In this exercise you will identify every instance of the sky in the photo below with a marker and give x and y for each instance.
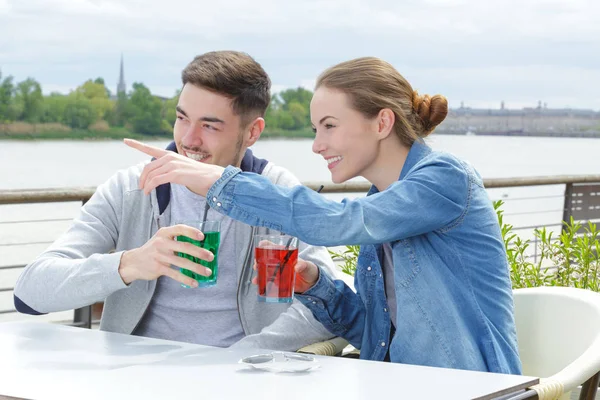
(477, 52)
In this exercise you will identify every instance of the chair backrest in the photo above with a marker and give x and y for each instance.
(558, 330)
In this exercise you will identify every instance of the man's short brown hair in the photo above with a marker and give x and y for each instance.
(235, 75)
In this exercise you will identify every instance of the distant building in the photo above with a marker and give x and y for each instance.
(528, 120)
(121, 86)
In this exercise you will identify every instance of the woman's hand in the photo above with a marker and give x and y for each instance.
(170, 167)
(307, 275)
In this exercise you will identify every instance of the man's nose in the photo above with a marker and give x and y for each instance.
(192, 138)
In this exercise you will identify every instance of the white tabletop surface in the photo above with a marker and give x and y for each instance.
(40, 360)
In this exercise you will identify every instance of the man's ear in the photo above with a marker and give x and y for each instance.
(254, 130)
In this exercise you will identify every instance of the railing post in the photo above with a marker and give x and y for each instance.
(83, 316)
(590, 388)
(568, 205)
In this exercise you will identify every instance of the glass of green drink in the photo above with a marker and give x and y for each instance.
(212, 238)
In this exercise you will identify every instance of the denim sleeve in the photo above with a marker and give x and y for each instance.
(337, 307)
(432, 196)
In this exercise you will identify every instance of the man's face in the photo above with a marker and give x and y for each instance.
(207, 129)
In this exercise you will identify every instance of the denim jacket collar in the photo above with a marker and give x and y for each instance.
(416, 153)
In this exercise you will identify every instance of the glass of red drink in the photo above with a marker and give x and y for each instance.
(276, 257)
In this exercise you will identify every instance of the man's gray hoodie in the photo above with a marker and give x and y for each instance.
(81, 267)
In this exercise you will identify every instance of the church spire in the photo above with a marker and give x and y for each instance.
(121, 87)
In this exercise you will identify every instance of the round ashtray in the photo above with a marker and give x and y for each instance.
(281, 362)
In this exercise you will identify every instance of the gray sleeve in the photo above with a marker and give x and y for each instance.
(78, 269)
(291, 331)
(297, 327)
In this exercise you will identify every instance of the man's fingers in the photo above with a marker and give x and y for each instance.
(192, 250)
(183, 230)
(185, 264)
(144, 148)
(179, 277)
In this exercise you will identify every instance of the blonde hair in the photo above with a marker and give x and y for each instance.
(373, 84)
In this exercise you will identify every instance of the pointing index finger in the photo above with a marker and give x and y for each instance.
(144, 148)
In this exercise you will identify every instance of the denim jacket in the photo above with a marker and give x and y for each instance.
(453, 290)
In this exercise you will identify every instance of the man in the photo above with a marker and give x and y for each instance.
(121, 248)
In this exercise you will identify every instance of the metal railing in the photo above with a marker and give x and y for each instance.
(581, 199)
(82, 317)
(83, 194)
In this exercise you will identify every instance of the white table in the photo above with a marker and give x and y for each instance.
(40, 360)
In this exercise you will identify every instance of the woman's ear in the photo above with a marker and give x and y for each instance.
(385, 123)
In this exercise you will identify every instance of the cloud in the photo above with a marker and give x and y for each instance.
(4, 7)
(471, 48)
(517, 85)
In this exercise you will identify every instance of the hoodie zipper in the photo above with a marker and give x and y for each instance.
(243, 279)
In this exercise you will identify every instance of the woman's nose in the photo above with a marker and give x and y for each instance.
(318, 145)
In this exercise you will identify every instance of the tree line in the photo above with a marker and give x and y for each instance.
(91, 106)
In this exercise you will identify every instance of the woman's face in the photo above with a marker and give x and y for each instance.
(344, 137)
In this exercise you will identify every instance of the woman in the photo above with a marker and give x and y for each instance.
(432, 278)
